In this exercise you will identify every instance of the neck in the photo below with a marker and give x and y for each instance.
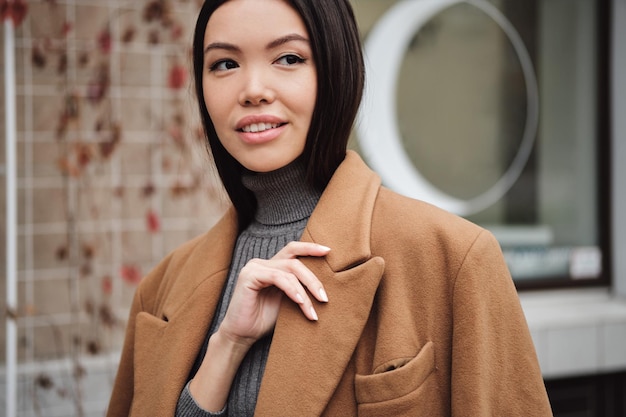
(283, 196)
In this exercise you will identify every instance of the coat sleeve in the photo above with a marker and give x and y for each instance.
(495, 371)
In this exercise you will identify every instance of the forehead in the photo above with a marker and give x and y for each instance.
(250, 20)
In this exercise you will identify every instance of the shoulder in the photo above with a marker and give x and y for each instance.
(190, 262)
(428, 250)
(414, 234)
(405, 218)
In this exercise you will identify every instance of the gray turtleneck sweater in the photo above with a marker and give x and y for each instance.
(284, 204)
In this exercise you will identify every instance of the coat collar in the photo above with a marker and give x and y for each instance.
(342, 217)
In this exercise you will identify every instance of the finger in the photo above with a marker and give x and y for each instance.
(308, 279)
(295, 249)
(302, 299)
(301, 272)
(291, 286)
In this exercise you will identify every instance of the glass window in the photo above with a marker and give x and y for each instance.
(492, 110)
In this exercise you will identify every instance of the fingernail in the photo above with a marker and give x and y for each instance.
(299, 298)
(314, 314)
(323, 295)
(325, 248)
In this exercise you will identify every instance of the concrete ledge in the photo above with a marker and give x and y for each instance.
(577, 332)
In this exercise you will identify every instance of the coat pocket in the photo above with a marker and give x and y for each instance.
(396, 385)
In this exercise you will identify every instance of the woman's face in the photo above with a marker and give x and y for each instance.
(259, 81)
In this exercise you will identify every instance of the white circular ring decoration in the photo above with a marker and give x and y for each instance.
(377, 130)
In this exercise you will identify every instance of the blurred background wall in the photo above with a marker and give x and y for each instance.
(113, 174)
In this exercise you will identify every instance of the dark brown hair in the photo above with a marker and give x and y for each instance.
(336, 49)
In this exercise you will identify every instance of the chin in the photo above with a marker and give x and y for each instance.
(264, 168)
(265, 165)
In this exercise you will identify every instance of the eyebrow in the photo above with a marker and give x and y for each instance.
(273, 44)
(286, 39)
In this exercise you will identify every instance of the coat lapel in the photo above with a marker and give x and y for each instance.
(168, 339)
(308, 359)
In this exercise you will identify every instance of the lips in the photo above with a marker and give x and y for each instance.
(260, 129)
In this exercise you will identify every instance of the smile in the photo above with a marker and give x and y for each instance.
(259, 127)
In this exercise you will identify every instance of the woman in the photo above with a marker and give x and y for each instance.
(319, 292)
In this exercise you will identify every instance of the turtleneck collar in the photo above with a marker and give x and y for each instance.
(283, 196)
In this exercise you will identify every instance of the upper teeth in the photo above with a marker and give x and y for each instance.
(259, 127)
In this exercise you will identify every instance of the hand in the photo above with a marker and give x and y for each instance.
(253, 310)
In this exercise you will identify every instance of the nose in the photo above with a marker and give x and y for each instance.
(257, 88)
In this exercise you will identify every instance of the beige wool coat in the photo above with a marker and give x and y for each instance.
(423, 318)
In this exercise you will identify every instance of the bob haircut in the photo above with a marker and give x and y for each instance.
(338, 58)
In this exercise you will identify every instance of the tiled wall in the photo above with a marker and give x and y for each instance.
(112, 175)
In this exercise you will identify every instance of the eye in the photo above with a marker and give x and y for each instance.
(290, 59)
(223, 65)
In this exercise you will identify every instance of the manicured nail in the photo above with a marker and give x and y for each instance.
(314, 314)
(323, 295)
(324, 248)
(299, 298)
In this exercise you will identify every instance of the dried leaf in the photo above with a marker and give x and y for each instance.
(71, 107)
(107, 147)
(61, 253)
(129, 35)
(88, 250)
(177, 78)
(38, 57)
(84, 154)
(153, 221)
(11, 313)
(177, 32)
(154, 37)
(15, 10)
(179, 189)
(98, 87)
(105, 41)
(131, 274)
(83, 59)
(44, 381)
(106, 316)
(67, 28)
(93, 347)
(153, 11)
(148, 190)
